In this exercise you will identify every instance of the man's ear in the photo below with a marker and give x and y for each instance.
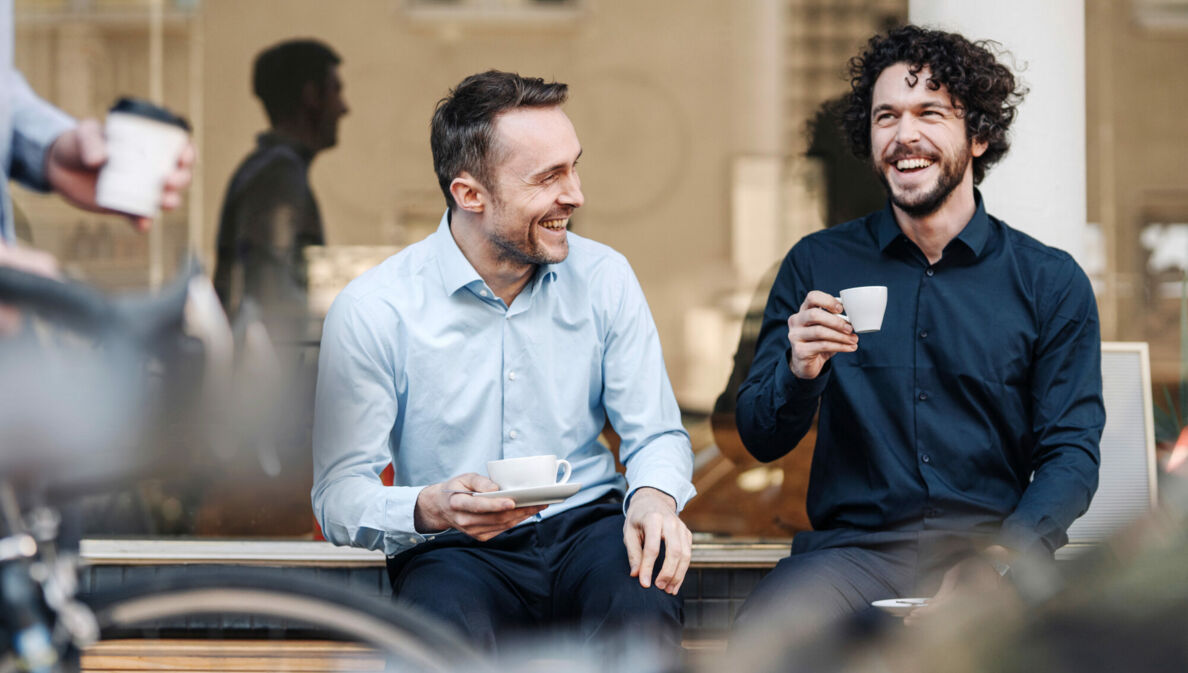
(311, 94)
(468, 193)
(978, 147)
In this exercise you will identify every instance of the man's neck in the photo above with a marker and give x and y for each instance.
(505, 278)
(299, 132)
(933, 232)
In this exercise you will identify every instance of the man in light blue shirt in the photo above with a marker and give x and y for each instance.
(503, 335)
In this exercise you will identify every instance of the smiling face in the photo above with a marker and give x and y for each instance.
(535, 186)
(919, 145)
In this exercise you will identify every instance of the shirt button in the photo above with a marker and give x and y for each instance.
(511, 376)
(922, 396)
(929, 271)
(925, 458)
(513, 434)
(923, 334)
(487, 294)
(413, 539)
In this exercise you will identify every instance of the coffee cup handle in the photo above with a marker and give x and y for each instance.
(568, 468)
(843, 316)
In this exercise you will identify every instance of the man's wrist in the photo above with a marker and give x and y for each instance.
(423, 519)
(652, 492)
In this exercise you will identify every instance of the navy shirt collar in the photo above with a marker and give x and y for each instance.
(973, 236)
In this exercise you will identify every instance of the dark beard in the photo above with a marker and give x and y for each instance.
(951, 176)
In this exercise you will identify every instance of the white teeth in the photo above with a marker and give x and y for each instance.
(905, 164)
(555, 225)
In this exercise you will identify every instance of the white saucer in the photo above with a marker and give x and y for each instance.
(538, 495)
(901, 607)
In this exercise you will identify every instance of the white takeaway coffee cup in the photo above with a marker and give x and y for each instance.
(864, 307)
(527, 472)
(144, 143)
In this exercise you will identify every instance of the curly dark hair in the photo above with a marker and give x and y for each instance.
(984, 90)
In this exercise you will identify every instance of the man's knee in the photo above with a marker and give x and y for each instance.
(802, 588)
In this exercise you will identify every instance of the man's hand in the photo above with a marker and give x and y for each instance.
(816, 332)
(74, 160)
(480, 518)
(29, 261)
(652, 517)
(974, 576)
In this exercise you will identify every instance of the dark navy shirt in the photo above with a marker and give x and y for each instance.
(977, 407)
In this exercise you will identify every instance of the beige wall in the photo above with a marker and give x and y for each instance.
(650, 96)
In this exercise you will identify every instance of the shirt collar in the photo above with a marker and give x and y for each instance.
(456, 270)
(269, 139)
(973, 235)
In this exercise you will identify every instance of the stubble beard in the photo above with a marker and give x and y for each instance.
(523, 251)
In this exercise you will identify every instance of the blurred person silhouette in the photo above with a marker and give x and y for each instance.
(505, 335)
(946, 448)
(46, 150)
(269, 213)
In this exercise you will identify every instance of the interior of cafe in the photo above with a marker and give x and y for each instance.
(707, 152)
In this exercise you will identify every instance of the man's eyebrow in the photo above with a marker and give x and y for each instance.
(557, 167)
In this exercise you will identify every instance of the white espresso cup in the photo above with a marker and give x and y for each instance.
(865, 307)
(144, 143)
(527, 472)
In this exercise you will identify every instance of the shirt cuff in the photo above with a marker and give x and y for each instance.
(789, 388)
(681, 492)
(401, 513)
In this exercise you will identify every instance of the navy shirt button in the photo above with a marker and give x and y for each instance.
(922, 396)
(923, 334)
(925, 458)
(929, 271)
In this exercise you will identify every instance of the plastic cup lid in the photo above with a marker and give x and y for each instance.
(143, 108)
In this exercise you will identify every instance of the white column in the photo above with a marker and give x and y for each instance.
(1039, 187)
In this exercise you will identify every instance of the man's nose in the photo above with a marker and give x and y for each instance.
(572, 195)
(907, 131)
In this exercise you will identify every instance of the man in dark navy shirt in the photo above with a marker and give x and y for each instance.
(965, 432)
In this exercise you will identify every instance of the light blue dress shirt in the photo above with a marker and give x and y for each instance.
(424, 367)
(28, 126)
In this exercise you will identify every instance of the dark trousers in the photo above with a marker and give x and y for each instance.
(569, 571)
(817, 587)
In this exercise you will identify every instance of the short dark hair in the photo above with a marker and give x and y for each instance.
(984, 89)
(282, 70)
(463, 130)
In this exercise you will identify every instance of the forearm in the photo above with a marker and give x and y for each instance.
(1059, 492)
(775, 409)
(35, 126)
(358, 510)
